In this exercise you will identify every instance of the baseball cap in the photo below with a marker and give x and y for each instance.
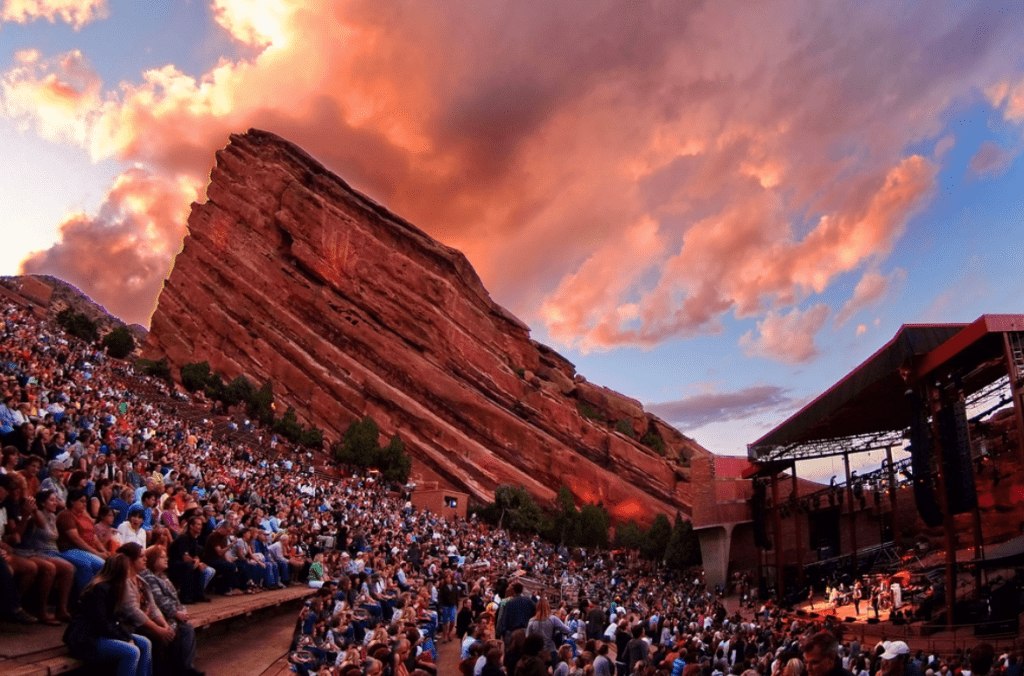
(895, 649)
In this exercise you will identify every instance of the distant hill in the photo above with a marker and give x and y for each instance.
(69, 296)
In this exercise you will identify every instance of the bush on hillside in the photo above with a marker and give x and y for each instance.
(119, 343)
(78, 325)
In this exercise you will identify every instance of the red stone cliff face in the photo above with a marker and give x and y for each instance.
(290, 275)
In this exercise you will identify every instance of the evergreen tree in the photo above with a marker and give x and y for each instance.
(656, 539)
(517, 510)
(237, 391)
(593, 526)
(566, 524)
(683, 548)
(289, 426)
(119, 343)
(629, 535)
(260, 404)
(195, 375)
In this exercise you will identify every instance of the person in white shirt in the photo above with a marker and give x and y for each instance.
(131, 529)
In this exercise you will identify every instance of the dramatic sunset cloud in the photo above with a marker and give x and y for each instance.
(123, 253)
(75, 12)
(624, 172)
(702, 408)
(871, 288)
(787, 337)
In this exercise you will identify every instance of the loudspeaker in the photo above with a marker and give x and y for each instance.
(849, 619)
(920, 463)
(872, 620)
(956, 459)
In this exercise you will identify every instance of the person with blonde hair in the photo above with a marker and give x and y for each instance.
(794, 667)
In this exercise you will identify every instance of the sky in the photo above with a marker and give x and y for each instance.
(717, 208)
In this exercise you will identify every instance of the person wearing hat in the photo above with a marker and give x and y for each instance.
(896, 660)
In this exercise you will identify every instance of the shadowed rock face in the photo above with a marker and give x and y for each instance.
(289, 274)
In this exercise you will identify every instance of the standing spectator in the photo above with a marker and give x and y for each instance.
(448, 597)
(515, 612)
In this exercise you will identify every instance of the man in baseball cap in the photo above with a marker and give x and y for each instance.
(896, 660)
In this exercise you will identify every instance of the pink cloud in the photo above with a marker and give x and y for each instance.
(990, 160)
(787, 338)
(871, 288)
(75, 12)
(624, 174)
(124, 252)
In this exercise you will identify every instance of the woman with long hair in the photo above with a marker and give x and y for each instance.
(96, 635)
(544, 624)
(139, 611)
(166, 598)
(52, 572)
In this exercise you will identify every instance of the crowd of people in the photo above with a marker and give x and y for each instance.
(117, 515)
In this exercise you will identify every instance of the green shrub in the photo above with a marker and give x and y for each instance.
(78, 325)
(155, 369)
(311, 438)
(624, 426)
(260, 404)
(654, 442)
(237, 391)
(119, 343)
(289, 426)
(521, 372)
(360, 446)
(588, 411)
(195, 375)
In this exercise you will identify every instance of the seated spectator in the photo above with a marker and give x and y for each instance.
(131, 530)
(169, 516)
(317, 572)
(95, 634)
(76, 538)
(217, 546)
(54, 482)
(13, 568)
(166, 598)
(185, 568)
(51, 572)
(106, 534)
(120, 505)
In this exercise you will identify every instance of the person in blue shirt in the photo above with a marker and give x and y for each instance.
(119, 505)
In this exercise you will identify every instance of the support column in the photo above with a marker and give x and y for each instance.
(1016, 391)
(853, 515)
(934, 398)
(798, 529)
(893, 486)
(780, 585)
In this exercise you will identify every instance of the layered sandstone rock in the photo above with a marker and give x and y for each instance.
(288, 274)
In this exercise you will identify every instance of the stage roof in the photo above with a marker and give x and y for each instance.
(871, 399)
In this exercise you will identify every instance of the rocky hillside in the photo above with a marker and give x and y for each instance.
(288, 274)
(64, 295)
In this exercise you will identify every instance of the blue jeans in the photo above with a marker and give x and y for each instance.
(133, 659)
(86, 565)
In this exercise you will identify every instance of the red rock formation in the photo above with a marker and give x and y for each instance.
(289, 274)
